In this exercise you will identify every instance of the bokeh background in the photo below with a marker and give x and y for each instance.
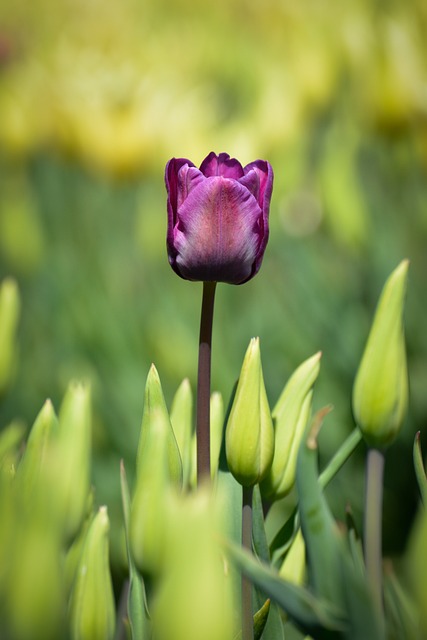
(95, 97)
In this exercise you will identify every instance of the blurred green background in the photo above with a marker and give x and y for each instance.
(95, 97)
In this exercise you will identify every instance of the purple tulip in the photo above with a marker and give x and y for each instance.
(217, 217)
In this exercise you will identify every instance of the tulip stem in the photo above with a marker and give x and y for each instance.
(373, 519)
(204, 382)
(247, 615)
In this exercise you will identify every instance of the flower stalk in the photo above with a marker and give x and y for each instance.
(247, 614)
(372, 525)
(204, 382)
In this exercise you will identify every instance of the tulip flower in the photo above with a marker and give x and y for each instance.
(380, 392)
(249, 436)
(217, 217)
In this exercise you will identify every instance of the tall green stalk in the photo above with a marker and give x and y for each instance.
(373, 523)
(204, 382)
(247, 614)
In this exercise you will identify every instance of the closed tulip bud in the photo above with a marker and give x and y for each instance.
(158, 469)
(160, 427)
(290, 416)
(37, 453)
(194, 599)
(71, 456)
(380, 392)
(217, 217)
(217, 427)
(181, 416)
(92, 607)
(148, 522)
(293, 568)
(35, 599)
(249, 436)
(9, 313)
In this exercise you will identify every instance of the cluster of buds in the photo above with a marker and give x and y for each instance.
(53, 551)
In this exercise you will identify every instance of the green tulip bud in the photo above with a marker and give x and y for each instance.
(380, 392)
(92, 607)
(181, 417)
(217, 427)
(9, 313)
(249, 436)
(160, 427)
(148, 522)
(158, 469)
(35, 594)
(37, 451)
(194, 598)
(293, 568)
(71, 458)
(290, 416)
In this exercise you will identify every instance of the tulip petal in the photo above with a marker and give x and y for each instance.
(217, 235)
(221, 165)
(187, 178)
(252, 183)
(265, 174)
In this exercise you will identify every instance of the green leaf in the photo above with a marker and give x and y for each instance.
(318, 526)
(137, 605)
(333, 575)
(419, 468)
(283, 538)
(401, 612)
(314, 616)
(260, 619)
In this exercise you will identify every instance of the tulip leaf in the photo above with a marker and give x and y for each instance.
(314, 616)
(401, 613)
(260, 619)
(318, 526)
(419, 468)
(137, 605)
(333, 575)
(283, 538)
(355, 544)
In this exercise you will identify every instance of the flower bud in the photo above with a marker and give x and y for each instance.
(35, 598)
(37, 451)
(71, 457)
(290, 416)
(217, 217)
(380, 392)
(9, 312)
(293, 568)
(92, 607)
(249, 436)
(217, 428)
(158, 469)
(160, 427)
(194, 598)
(181, 417)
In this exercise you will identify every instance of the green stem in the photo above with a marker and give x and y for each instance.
(373, 520)
(204, 382)
(247, 614)
(341, 456)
